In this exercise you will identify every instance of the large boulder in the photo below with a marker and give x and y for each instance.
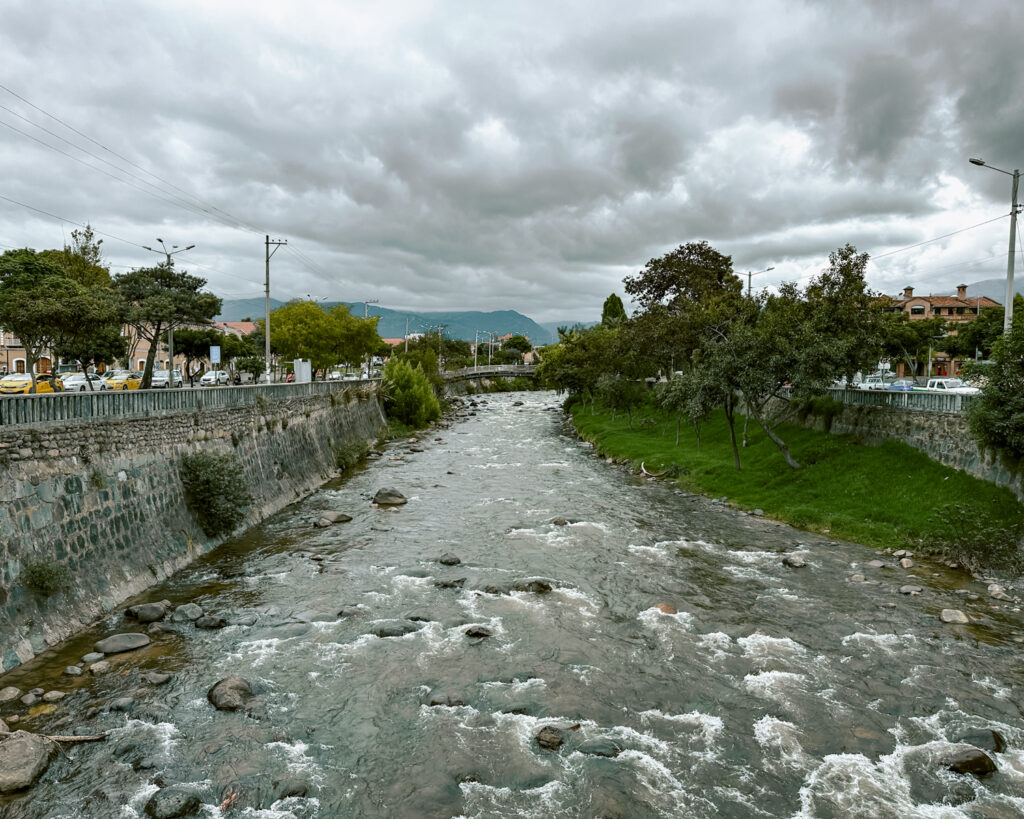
(146, 612)
(389, 497)
(173, 802)
(329, 518)
(230, 694)
(117, 643)
(600, 747)
(9, 693)
(550, 738)
(23, 758)
(987, 739)
(971, 761)
(397, 629)
(190, 611)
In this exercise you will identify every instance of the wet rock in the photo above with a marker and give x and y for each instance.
(972, 761)
(54, 696)
(902, 553)
(450, 584)
(794, 561)
(247, 619)
(449, 560)
(550, 738)
(985, 739)
(102, 667)
(906, 563)
(3, 728)
(9, 693)
(162, 628)
(954, 616)
(146, 612)
(29, 699)
(289, 785)
(92, 657)
(494, 588)
(156, 677)
(600, 747)
(23, 759)
(186, 613)
(73, 671)
(38, 691)
(389, 497)
(210, 622)
(117, 643)
(230, 694)
(666, 608)
(123, 704)
(479, 632)
(560, 522)
(876, 564)
(330, 518)
(399, 629)
(533, 586)
(440, 697)
(350, 611)
(910, 589)
(173, 802)
(857, 578)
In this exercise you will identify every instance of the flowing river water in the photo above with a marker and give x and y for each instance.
(771, 692)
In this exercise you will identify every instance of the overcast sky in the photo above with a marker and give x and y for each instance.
(523, 155)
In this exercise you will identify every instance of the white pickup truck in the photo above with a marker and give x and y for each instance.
(953, 385)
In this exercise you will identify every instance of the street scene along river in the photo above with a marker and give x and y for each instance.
(605, 646)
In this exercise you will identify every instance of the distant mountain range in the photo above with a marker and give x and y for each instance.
(460, 324)
(995, 289)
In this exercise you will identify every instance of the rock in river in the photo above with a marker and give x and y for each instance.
(399, 629)
(23, 758)
(479, 632)
(971, 761)
(330, 518)
(9, 693)
(549, 738)
(190, 611)
(230, 694)
(146, 612)
(600, 747)
(210, 622)
(987, 739)
(117, 643)
(389, 497)
(794, 561)
(173, 802)
(449, 560)
(954, 616)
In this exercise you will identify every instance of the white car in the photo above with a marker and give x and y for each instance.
(77, 382)
(213, 378)
(162, 379)
(952, 385)
(876, 381)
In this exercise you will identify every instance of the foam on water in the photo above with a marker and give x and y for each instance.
(583, 672)
(777, 686)
(257, 652)
(588, 607)
(516, 686)
(296, 757)
(716, 644)
(886, 643)
(709, 727)
(781, 740)
(762, 649)
(490, 800)
(655, 618)
(649, 551)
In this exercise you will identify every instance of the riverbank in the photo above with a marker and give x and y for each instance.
(890, 496)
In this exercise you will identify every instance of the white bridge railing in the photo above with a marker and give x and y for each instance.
(920, 401)
(494, 369)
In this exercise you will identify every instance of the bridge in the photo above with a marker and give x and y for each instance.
(491, 371)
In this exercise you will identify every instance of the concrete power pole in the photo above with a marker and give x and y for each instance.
(266, 327)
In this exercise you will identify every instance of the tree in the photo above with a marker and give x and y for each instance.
(350, 337)
(613, 314)
(92, 330)
(997, 415)
(194, 346)
(518, 342)
(161, 299)
(691, 273)
(618, 392)
(303, 329)
(981, 334)
(909, 341)
(408, 396)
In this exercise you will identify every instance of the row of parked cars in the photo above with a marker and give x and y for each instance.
(886, 381)
(21, 383)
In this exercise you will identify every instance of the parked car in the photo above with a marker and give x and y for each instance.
(21, 384)
(953, 385)
(903, 385)
(162, 379)
(123, 380)
(214, 378)
(80, 382)
(876, 381)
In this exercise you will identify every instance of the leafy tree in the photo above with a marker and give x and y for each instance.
(997, 414)
(303, 329)
(520, 343)
(161, 299)
(576, 363)
(254, 365)
(613, 314)
(981, 334)
(909, 341)
(693, 396)
(351, 337)
(194, 346)
(408, 396)
(92, 332)
(691, 273)
(620, 393)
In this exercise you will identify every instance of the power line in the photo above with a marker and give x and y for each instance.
(937, 238)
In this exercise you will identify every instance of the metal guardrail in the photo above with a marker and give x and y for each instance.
(918, 401)
(83, 406)
(494, 369)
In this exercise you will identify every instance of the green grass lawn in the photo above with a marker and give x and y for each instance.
(885, 495)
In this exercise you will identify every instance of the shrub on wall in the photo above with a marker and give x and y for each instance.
(215, 491)
(45, 577)
(408, 396)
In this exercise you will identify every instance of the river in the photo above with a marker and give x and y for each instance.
(770, 692)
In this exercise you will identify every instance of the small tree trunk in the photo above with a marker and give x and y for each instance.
(629, 415)
(679, 420)
(775, 439)
(696, 429)
(730, 411)
(746, 423)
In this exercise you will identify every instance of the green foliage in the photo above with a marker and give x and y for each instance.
(519, 343)
(97, 480)
(215, 491)
(613, 314)
(45, 576)
(408, 395)
(348, 455)
(819, 406)
(838, 489)
(976, 539)
(997, 415)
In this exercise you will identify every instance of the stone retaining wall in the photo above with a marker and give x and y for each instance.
(103, 501)
(944, 437)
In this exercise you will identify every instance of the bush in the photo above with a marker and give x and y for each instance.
(348, 455)
(45, 577)
(976, 541)
(408, 395)
(215, 491)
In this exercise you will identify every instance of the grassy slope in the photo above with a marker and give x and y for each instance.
(878, 495)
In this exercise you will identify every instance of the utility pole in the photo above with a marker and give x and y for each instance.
(170, 333)
(407, 334)
(266, 327)
(366, 315)
(750, 275)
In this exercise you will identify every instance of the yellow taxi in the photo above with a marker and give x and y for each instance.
(123, 380)
(21, 384)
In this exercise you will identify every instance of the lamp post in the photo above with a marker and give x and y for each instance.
(758, 273)
(1015, 175)
(170, 333)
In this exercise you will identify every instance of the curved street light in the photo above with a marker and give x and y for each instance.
(170, 333)
(758, 273)
(1008, 307)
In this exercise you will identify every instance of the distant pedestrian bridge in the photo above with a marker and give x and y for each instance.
(491, 371)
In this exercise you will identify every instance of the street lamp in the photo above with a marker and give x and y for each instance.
(170, 333)
(1008, 308)
(758, 273)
